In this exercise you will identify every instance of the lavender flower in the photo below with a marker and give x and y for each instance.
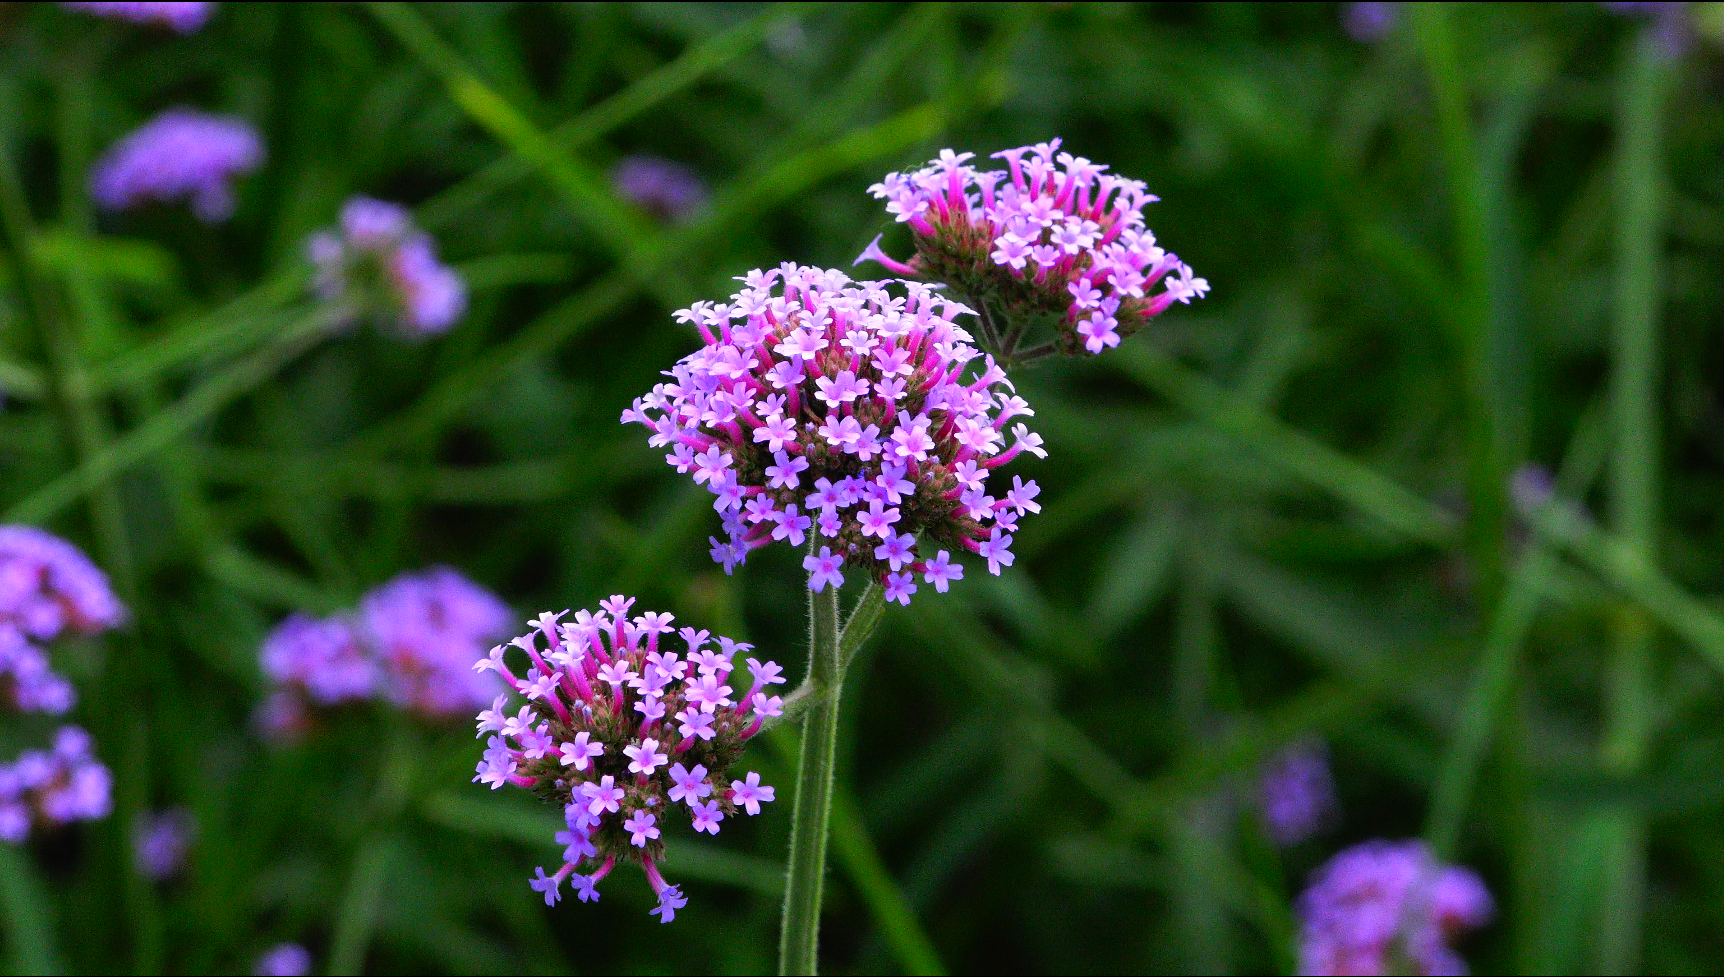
(160, 842)
(619, 732)
(410, 643)
(380, 263)
(424, 630)
(1051, 236)
(283, 960)
(1388, 907)
(1369, 23)
(47, 587)
(179, 154)
(182, 17)
(52, 788)
(1297, 793)
(669, 190)
(839, 412)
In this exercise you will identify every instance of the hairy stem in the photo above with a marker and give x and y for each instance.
(799, 940)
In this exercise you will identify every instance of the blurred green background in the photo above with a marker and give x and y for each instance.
(1488, 239)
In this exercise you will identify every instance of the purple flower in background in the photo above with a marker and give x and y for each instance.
(1388, 907)
(47, 587)
(283, 960)
(1053, 233)
(160, 842)
(54, 787)
(1670, 25)
(1297, 793)
(179, 154)
(1369, 23)
(182, 17)
(425, 630)
(620, 729)
(411, 642)
(670, 190)
(380, 262)
(825, 407)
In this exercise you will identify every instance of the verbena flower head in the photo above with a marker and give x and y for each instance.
(283, 960)
(182, 17)
(1387, 907)
(668, 189)
(51, 788)
(161, 841)
(1298, 793)
(180, 154)
(1053, 236)
(410, 643)
(384, 266)
(849, 414)
(47, 588)
(628, 730)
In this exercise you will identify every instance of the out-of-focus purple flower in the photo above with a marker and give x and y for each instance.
(179, 154)
(667, 188)
(1369, 23)
(411, 642)
(1671, 28)
(841, 409)
(323, 659)
(382, 265)
(47, 587)
(283, 960)
(160, 842)
(1298, 793)
(50, 788)
(1388, 907)
(1054, 233)
(620, 730)
(182, 17)
(425, 630)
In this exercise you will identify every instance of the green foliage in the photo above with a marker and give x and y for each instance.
(1489, 240)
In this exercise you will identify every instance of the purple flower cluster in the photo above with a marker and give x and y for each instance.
(1297, 793)
(1387, 907)
(825, 408)
(667, 189)
(283, 960)
(47, 588)
(179, 154)
(54, 787)
(1369, 23)
(410, 643)
(1052, 235)
(182, 17)
(380, 262)
(619, 732)
(160, 842)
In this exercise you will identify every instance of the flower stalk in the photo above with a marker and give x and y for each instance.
(811, 813)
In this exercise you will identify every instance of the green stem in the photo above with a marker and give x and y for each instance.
(1634, 400)
(29, 919)
(799, 940)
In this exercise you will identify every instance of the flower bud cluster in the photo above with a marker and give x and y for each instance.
(180, 154)
(1297, 793)
(1052, 236)
(381, 264)
(53, 788)
(410, 644)
(47, 588)
(1387, 907)
(622, 734)
(841, 411)
(184, 17)
(665, 188)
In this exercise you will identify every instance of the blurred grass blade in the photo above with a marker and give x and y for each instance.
(356, 917)
(855, 850)
(198, 406)
(1318, 464)
(20, 381)
(29, 923)
(662, 83)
